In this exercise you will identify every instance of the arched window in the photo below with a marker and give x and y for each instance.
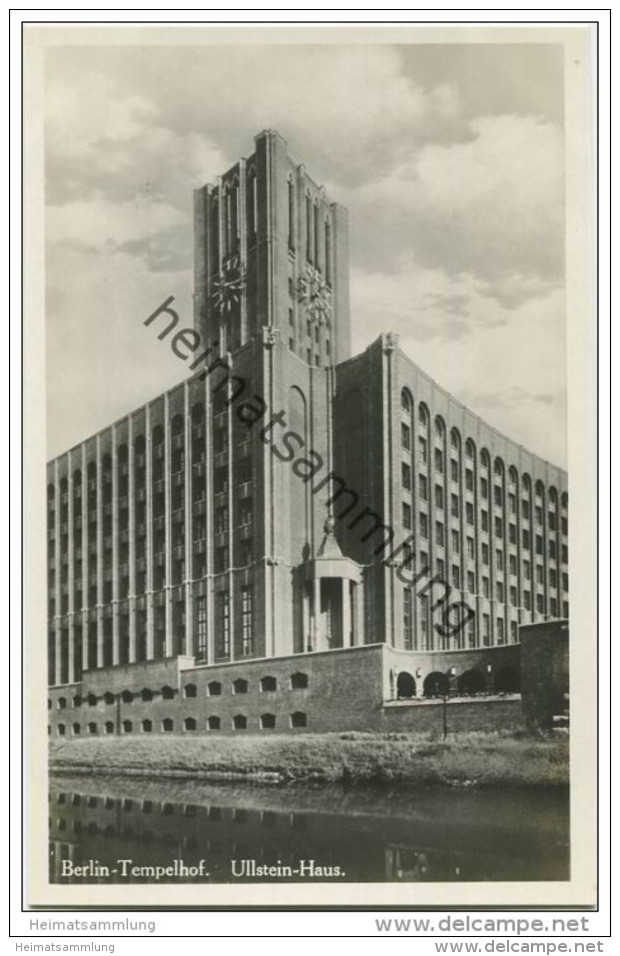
(167, 692)
(214, 688)
(308, 227)
(213, 723)
(76, 730)
(240, 722)
(291, 214)
(470, 449)
(109, 727)
(108, 699)
(406, 401)
(513, 476)
(127, 697)
(268, 684)
(299, 681)
(92, 728)
(267, 721)
(240, 686)
(440, 428)
(167, 725)
(62, 703)
(316, 234)
(147, 726)
(190, 690)
(146, 694)
(252, 205)
(299, 719)
(61, 730)
(423, 415)
(405, 685)
(189, 723)
(328, 252)
(127, 727)
(91, 700)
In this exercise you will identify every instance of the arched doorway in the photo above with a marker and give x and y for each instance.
(436, 685)
(472, 682)
(405, 685)
(507, 681)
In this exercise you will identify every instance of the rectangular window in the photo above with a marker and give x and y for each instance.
(539, 515)
(499, 560)
(454, 506)
(497, 494)
(423, 525)
(500, 630)
(527, 570)
(454, 470)
(512, 533)
(471, 550)
(539, 574)
(512, 503)
(486, 630)
(553, 607)
(539, 544)
(499, 591)
(513, 632)
(525, 509)
(565, 582)
(222, 618)
(456, 542)
(485, 554)
(423, 449)
(499, 528)
(484, 488)
(552, 521)
(540, 604)
(526, 539)
(406, 516)
(456, 576)
(424, 621)
(439, 460)
(469, 479)
(438, 496)
(484, 520)
(247, 627)
(201, 628)
(553, 579)
(405, 436)
(564, 554)
(485, 587)
(439, 533)
(406, 476)
(471, 582)
(469, 512)
(527, 601)
(564, 526)
(513, 596)
(512, 563)
(423, 487)
(407, 619)
(441, 568)
(552, 550)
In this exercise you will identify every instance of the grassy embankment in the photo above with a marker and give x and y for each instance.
(474, 759)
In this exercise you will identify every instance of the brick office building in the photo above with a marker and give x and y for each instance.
(291, 527)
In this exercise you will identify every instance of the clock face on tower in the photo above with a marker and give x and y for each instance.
(228, 285)
(313, 292)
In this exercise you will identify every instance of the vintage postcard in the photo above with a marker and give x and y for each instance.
(310, 460)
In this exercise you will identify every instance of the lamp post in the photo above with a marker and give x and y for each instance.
(489, 672)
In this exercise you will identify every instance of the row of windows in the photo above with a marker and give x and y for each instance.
(239, 722)
(268, 684)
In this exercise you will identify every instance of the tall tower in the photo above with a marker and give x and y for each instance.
(271, 250)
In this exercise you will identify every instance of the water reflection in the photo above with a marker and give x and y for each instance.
(355, 834)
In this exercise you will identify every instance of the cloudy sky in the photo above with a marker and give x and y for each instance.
(450, 159)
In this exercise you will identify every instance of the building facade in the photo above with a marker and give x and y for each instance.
(288, 499)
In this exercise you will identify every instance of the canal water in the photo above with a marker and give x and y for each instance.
(355, 834)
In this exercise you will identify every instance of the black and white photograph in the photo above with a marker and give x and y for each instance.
(307, 621)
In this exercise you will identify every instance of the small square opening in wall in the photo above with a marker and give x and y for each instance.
(92, 729)
(213, 723)
(299, 719)
(299, 681)
(147, 726)
(189, 724)
(127, 727)
(240, 722)
(268, 721)
(214, 689)
(109, 727)
(167, 725)
(268, 684)
(240, 686)
(190, 691)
